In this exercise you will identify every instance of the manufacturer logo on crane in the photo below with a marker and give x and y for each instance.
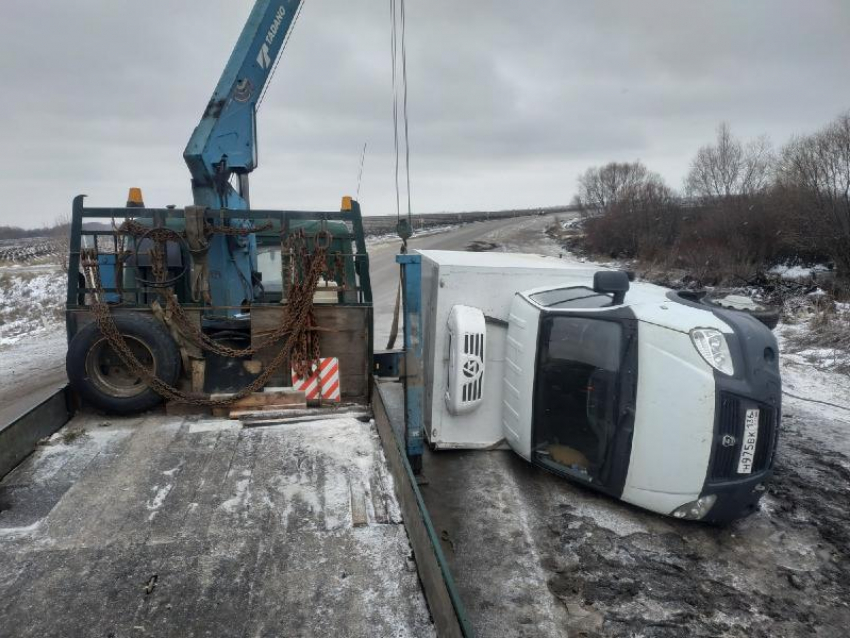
(264, 59)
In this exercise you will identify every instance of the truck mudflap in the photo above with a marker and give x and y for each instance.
(447, 609)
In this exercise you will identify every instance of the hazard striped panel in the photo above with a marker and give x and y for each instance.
(323, 382)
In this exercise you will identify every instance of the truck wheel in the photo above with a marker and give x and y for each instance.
(767, 315)
(97, 373)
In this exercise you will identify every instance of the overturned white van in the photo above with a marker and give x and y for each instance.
(642, 393)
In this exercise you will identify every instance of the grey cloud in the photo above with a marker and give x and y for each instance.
(508, 101)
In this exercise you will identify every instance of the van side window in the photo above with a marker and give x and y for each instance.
(576, 297)
(576, 405)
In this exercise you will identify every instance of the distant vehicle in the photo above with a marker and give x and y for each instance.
(653, 398)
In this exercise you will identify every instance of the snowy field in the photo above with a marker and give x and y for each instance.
(31, 301)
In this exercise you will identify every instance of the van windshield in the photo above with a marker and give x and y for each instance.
(576, 394)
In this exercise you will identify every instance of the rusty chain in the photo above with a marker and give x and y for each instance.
(132, 227)
(295, 243)
(298, 323)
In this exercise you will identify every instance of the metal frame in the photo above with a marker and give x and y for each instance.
(411, 277)
(161, 215)
(20, 438)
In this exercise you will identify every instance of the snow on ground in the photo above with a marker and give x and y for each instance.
(796, 272)
(393, 237)
(285, 530)
(32, 335)
(31, 301)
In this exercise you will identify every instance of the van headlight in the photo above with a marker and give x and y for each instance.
(695, 510)
(712, 346)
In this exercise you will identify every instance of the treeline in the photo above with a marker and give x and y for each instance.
(60, 228)
(744, 207)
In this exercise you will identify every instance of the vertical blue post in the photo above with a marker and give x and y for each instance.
(411, 273)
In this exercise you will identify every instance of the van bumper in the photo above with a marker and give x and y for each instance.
(736, 499)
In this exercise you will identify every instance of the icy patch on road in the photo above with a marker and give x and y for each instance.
(160, 494)
(321, 466)
(214, 425)
(20, 531)
(621, 522)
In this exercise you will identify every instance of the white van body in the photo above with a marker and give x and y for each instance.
(663, 429)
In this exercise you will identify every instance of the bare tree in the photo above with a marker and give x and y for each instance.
(730, 168)
(632, 210)
(814, 176)
(602, 186)
(61, 238)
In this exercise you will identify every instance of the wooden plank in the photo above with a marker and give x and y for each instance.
(280, 398)
(267, 412)
(199, 370)
(358, 505)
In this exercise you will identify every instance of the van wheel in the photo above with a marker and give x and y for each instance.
(97, 373)
(768, 315)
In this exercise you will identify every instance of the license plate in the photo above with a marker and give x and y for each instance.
(748, 447)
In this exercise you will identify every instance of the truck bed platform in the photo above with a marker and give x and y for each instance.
(170, 526)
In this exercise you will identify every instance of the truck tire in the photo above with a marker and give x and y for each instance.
(100, 377)
(767, 315)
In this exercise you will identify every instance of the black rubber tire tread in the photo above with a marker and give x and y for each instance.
(146, 329)
(768, 316)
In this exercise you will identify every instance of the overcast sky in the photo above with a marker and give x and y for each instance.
(509, 101)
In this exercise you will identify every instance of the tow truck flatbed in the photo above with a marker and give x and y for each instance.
(196, 526)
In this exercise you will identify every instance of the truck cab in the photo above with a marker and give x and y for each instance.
(629, 388)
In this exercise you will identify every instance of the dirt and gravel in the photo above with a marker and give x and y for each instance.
(781, 572)
(535, 555)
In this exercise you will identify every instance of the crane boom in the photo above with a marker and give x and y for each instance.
(225, 141)
(224, 145)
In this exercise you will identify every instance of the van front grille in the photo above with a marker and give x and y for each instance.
(729, 437)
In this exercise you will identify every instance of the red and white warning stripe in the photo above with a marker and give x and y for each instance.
(323, 382)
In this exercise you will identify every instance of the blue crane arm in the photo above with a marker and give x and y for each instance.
(225, 141)
(224, 144)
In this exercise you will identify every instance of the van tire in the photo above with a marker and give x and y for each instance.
(96, 373)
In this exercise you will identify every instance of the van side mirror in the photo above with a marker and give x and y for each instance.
(615, 282)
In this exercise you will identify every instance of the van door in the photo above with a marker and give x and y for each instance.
(577, 391)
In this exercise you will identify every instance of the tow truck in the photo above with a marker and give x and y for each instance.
(266, 496)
